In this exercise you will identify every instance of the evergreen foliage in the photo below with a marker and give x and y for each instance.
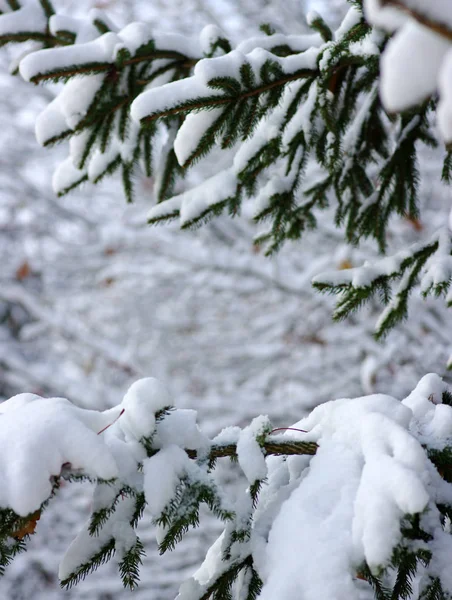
(118, 506)
(309, 131)
(302, 114)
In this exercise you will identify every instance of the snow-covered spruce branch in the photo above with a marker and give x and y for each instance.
(283, 104)
(319, 77)
(366, 481)
(429, 261)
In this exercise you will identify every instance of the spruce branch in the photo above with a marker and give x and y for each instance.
(129, 566)
(209, 102)
(434, 590)
(101, 557)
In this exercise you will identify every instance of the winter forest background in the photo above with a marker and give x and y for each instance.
(91, 299)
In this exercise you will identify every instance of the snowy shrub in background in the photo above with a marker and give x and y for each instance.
(300, 125)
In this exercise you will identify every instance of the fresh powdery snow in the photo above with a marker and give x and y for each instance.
(142, 401)
(416, 62)
(249, 451)
(85, 545)
(30, 17)
(38, 436)
(369, 471)
(317, 520)
(410, 65)
(162, 474)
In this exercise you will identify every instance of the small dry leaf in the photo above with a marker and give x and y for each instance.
(417, 225)
(29, 526)
(23, 271)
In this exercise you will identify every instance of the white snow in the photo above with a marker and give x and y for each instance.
(99, 51)
(60, 22)
(250, 453)
(348, 509)
(38, 436)
(193, 203)
(168, 96)
(361, 277)
(66, 175)
(299, 43)
(143, 399)
(208, 36)
(180, 427)
(85, 546)
(28, 18)
(410, 65)
(386, 17)
(162, 474)
(221, 66)
(444, 112)
(190, 133)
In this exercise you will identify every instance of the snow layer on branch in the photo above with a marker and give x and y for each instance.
(214, 190)
(37, 437)
(249, 451)
(162, 475)
(349, 507)
(361, 277)
(387, 17)
(50, 123)
(180, 427)
(438, 270)
(167, 208)
(50, 60)
(135, 35)
(302, 119)
(417, 60)
(195, 202)
(157, 100)
(143, 399)
(191, 132)
(222, 66)
(66, 176)
(229, 65)
(168, 97)
(69, 108)
(183, 44)
(444, 110)
(410, 66)
(100, 161)
(298, 43)
(59, 23)
(30, 17)
(208, 36)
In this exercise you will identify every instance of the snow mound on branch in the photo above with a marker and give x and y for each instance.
(249, 452)
(417, 61)
(162, 475)
(143, 399)
(369, 471)
(37, 437)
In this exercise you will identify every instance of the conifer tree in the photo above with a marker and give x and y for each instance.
(330, 119)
